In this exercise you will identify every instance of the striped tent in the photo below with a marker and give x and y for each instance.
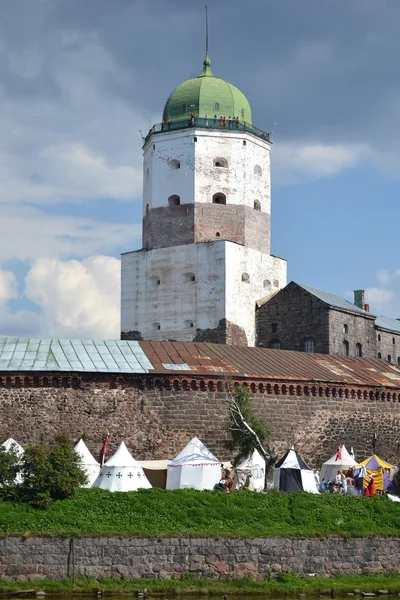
(373, 466)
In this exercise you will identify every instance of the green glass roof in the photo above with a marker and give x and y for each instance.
(109, 356)
(207, 95)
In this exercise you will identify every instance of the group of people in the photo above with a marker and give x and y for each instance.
(344, 483)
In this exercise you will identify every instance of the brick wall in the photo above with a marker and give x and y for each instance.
(157, 422)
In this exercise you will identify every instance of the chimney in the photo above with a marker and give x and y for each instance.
(359, 298)
(366, 307)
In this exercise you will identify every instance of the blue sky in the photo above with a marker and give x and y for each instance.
(78, 80)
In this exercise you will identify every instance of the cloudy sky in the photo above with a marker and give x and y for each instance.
(80, 78)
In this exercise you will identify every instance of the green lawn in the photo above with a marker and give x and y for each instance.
(157, 512)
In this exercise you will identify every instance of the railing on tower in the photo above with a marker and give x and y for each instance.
(220, 123)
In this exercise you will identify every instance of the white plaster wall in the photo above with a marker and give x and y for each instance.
(173, 301)
(197, 179)
(241, 296)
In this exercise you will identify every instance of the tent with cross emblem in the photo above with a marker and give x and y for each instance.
(122, 473)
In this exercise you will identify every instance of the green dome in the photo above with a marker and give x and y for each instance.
(207, 95)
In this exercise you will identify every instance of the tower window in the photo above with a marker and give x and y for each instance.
(217, 234)
(174, 164)
(221, 162)
(275, 344)
(174, 200)
(244, 142)
(257, 170)
(379, 337)
(379, 355)
(195, 139)
(393, 340)
(358, 350)
(189, 277)
(154, 146)
(257, 205)
(309, 345)
(154, 281)
(267, 284)
(155, 326)
(246, 277)
(389, 358)
(188, 324)
(147, 209)
(219, 198)
(345, 347)
(216, 105)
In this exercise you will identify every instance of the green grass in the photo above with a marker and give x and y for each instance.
(157, 512)
(288, 586)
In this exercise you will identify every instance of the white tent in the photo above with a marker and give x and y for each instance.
(122, 473)
(253, 467)
(11, 444)
(291, 474)
(330, 468)
(87, 463)
(194, 467)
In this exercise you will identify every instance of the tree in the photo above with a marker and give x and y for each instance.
(9, 466)
(247, 432)
(50, 472)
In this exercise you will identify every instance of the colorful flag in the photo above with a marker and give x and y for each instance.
(339, 453)
(104, 448)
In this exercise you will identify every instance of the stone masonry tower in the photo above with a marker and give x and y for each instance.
(206, 256)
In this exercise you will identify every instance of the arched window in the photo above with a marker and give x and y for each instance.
(275, 344)
(174, 163)
(389, 358)
(246, 277)
(220, 162)
(155, 326)
(379, 337)
(358, 350)
(257, 205)
(219, 198)
(393, 340)
(345, 347)
(379, 355)
(267, 284)
(147, 209)
(345, 328)
(174, 200)
(309, 345)
(188, 324)
(257, 170)
(217, 234)
(398, 361)
(154, 281)
(188, 277)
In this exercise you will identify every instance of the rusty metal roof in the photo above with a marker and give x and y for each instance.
(264, 363)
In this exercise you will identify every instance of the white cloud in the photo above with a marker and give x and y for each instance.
(379, 297)
(8, 286)
(383, 276)
(76, 298)
(293, 162)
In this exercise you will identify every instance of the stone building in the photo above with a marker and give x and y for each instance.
(206, 221)
(306, 319)
(154, 396)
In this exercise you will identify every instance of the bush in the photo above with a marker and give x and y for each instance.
(50, 473)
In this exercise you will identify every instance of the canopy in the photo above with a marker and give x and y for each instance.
(87, 463)
(292, 474)
(254, 467)
(122, 473)
(194, 467)
(373, 466)
(11, 444)
(330, 468)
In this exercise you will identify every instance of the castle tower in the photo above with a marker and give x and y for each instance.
(206, 221)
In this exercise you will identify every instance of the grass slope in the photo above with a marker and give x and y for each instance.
(157, 512)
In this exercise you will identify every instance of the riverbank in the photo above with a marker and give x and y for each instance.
(284, 586)
(190, 513)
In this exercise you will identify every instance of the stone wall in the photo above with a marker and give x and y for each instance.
(156, 422)
(386, 348)
(291, 317)
(219, 558)
(355, 329)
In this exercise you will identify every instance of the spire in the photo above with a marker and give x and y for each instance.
(206, 72)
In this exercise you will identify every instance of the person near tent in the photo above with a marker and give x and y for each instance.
(371, 489)
(344, 484)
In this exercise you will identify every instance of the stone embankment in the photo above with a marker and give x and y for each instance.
(37, 558)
